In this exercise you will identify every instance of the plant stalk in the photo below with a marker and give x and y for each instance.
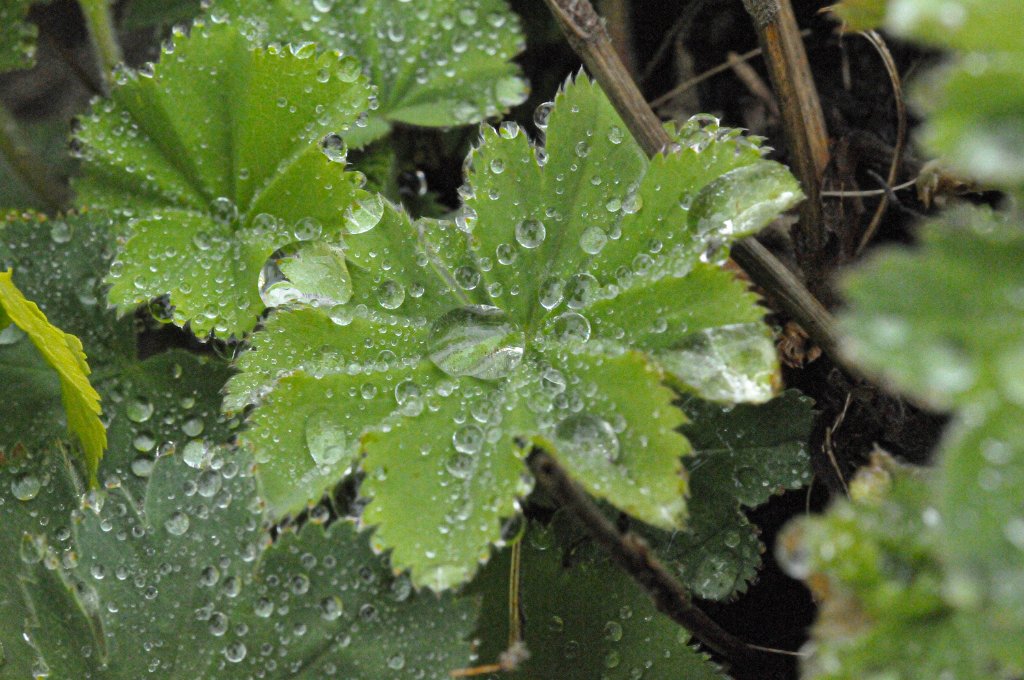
(34, 174)
(803, 123)
(100, 22)
(586, 34)
(633, 555)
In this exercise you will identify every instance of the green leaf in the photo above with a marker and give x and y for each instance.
(975, 115)
(974, 25)
(167, 401)
(742, 456)
(158, 13)
(860, 15)
(17, 36)
(584, 619)
(188, 582)
(938, 560)
(212, 157)
(37, 495)
(437, 64)
(887, 608)
(63, 353)
(952, 337)
(454, 353)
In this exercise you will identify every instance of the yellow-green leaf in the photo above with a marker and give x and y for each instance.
(64, 353)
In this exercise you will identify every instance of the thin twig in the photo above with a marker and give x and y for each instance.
(901, 132)
(710, 73)
(100, 23)
(633, 555)
(583, 29)
(35, 175)
(803, 122)
(620, 30)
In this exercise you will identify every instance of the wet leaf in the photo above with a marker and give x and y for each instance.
(742, 456)
(464, 343)
(213, 158)
(185, 580)
(440, 64)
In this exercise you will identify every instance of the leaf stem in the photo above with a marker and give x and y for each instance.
(803, 122)
(632, 554)
(34, 174)
(100, 22)
(586, 34)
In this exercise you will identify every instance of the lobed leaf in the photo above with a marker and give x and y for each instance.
(187, 583)
(463, 344)
(442, 63)
(63, 353)
(742, 456)
(212, 158)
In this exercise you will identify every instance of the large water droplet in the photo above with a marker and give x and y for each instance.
(588, 435)
(530, 233)
(477, 341)
(26, 487)
(325, 439)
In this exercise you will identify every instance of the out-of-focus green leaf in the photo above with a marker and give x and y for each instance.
(438, 64)
(17, 36)
(213, 158)
(584, 619)
(463, 344)
(952, 336)
(971, 25)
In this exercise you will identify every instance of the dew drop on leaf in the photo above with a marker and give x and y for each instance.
(530, 233)
(177, 524)
(588, 435)
(478, 341)
(571, 327)
(325, 440)
(26, 487)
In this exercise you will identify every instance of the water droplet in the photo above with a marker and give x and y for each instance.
(26, 487)
(177, 524)
(193, 427)
(196, 454)
(530, 233)
(365, 215)
(550, 293)
(592, 240)
(468, 439)
(588, 435)
(615, 135)
(391, 294)
(325, 439)
(60, 232)
(477, 341)
(497, 166)
(235, 652)
(580, 291)
(409, 398)
(571, 327)
(331, 608)
(396, 662)
(139, 410)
